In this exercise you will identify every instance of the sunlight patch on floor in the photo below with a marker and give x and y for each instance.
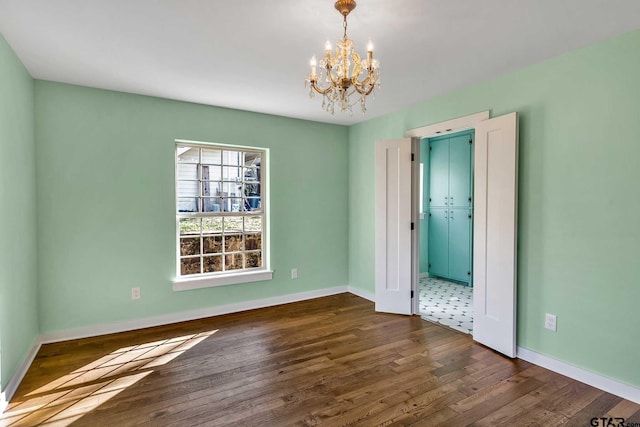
(66, 399)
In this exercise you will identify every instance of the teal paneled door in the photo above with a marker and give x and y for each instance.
(450, 206)
(460, 171)
(460, 244)
(439, 173)
(439, 241)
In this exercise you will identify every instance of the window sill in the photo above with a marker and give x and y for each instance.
(185, 284)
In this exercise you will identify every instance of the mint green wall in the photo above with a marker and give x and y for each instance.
(579, 233)
(106, 204)
(18, 263)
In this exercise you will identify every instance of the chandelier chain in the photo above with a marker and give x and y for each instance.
(344, 25)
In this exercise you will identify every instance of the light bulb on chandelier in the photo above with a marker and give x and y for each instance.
(343, 74)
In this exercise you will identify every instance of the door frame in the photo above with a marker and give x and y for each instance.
(416, 134)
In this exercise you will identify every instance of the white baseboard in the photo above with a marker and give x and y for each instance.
(595, 380)
(362, 294)
(16, 378)
(165, 319)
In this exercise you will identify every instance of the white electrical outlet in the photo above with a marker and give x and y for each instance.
(550, 321)
(135, 293)
(294, 273)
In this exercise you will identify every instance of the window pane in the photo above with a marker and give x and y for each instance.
(253, 241)
(190, 266)
(232, 157)
(187, 171)
(251, 174)
(188, 189)
(253, 223)
(211, 188)
(252, 204)
(254, 259)
(233, 205)
(232, 189)
(212, 245)
(231, 174)
(189, 226)
(188, 205)
(212, 264)
(233, 262)
(251, 189)
(211, 204)
(210, 155)
(212, 225)
(190, 246)
(212, 173)
(232, 223)
(188, 155)
(233, 243)
(251, 159)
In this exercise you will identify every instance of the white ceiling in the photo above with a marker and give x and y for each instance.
(254, 54)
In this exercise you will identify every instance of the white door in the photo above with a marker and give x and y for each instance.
(494, 233)
(393, 226)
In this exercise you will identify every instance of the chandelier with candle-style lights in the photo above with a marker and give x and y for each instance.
(343, 73)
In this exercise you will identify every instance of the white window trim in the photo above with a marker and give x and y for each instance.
(187, 283)
(184, 283)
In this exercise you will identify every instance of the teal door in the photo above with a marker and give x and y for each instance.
(438, 242)
(439, 173)
(460, 171)
(450, 206)
(460, 244)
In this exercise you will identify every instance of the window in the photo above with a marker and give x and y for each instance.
(220, 211)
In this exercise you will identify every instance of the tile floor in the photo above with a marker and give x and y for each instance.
(447, 303)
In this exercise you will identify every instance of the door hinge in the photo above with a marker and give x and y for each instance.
(413, 157)
(412, 225)
(429, 265)
(411, 293)
(471, 141)
(429, 213)
(430, 148)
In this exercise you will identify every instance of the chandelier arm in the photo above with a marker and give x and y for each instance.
(319, 89)
(368, 91)
(363, 89)
(368, 80)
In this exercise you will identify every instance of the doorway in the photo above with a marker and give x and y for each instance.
(446, 229)
(397, 224)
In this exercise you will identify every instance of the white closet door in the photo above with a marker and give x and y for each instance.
(495, 233)
(393, 226)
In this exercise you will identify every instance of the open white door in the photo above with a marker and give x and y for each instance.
(495, 233)
(393, 226)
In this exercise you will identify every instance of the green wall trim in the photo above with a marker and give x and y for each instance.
(578, 173)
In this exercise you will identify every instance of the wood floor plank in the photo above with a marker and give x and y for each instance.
(331, 361)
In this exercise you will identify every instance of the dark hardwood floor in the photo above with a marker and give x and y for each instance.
(330, 361)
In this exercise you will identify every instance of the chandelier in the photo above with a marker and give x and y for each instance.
(343, 73)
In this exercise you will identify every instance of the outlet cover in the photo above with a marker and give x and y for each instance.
(294, 273)
(135, 293)
(550, 322)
